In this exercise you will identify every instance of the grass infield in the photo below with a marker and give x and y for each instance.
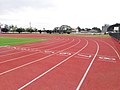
(8, 41)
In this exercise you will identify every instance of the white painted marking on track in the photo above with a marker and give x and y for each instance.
(84, 76)
(107, 58)
(36, 60)
(52, 68)
(65, 53)
(113, 49)
(88, 56)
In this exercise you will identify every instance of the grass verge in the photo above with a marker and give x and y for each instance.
(8, 41)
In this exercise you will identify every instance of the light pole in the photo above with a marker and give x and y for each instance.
(0, 27)
(30, 25)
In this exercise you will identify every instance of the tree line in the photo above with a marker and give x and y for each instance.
(61, 30)
(14, 29)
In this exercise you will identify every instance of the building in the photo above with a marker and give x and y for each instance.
(105, 28)
(114, 31)
(114, 28)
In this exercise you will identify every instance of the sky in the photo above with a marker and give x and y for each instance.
(54, 13)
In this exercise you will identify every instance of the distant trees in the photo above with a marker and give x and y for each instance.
(19, 30)
(87, 29)
(97, 29)
(79, 29)
(29, 30)
(5, 29)
(40, 31)
(61, 30)
(56, 30)
(65, 29)
(13, 28)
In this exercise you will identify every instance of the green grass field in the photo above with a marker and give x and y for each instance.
(8, 41)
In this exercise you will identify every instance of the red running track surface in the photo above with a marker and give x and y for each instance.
(61, 63)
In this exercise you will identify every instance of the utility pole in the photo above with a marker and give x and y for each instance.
(30, 25)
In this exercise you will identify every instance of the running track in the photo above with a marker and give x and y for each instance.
(60, 63)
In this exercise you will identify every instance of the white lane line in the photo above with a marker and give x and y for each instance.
(58, 46)
(9, 60)
(9, 47)
(11, 53)
(84, 76)
(88, 56)
(25, 55)
(48, 44)
(34, 43)
(52, 68)
(6, 50)
(107, 58)
(113, 49)
(36, 60)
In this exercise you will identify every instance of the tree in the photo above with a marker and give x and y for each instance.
(87, 29)
(79, 29)
(5, 29)
(40, 31)
(35, 29)
(56, 30)
(13, 28)
(29, 30)
(19, 30)
(97, 29)
(65, 29)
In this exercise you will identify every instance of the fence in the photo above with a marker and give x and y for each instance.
(115, 35)
(116, 40)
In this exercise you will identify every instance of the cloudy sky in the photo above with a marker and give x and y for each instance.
(51, 13)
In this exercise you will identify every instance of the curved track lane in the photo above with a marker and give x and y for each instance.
(61, 63)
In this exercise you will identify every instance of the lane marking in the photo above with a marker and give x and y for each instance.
(60, 45)
(11, 53)
(65, 53)
(107, 58)
(24, 55)
(36, 60)
(6, 51)
(18, 48)
(113, 49)
(52, 68)
(88, 69)
(87, 56)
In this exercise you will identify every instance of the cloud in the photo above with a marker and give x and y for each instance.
(13, 5)
(52, 13)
